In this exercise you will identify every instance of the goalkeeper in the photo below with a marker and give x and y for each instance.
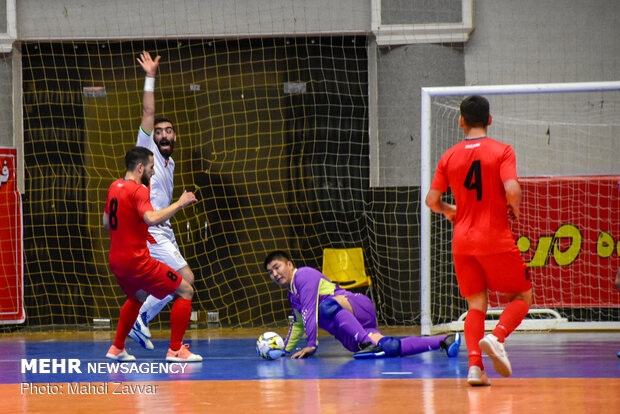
(350, 317)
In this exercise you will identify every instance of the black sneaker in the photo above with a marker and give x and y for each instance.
(369, 350)
(451, 344)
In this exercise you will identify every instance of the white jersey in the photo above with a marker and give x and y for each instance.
(162, 184)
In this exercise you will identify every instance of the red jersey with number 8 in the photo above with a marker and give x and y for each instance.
(126, 204)
(475, 170)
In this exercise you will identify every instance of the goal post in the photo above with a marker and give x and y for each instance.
(577, 174)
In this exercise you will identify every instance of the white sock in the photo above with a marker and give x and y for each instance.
(152, 306)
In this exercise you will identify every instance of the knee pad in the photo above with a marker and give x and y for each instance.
(329, 308)
(390, 345)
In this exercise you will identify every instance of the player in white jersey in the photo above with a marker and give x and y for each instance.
(158, 135)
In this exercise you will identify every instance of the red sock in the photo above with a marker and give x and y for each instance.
(179, 319)
(510, 318)
(129, 313)
(474, 331)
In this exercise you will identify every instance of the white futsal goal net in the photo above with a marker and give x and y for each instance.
(567, 140)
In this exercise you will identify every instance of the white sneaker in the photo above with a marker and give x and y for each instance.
(141, 339)
(476, 376)
(496, 351)
(119, 354)
(142, 325)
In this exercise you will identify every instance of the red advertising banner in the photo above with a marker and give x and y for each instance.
(11, 241)
(569, 234)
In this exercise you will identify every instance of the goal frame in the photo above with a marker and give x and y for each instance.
(427, 93)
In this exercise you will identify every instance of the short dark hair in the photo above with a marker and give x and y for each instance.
(475, 111)
(162, 119)
(137, 155)
(276, 255)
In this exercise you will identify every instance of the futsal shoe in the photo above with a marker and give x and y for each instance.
(142, 325)
(369, 350)
(141, 339)
(182, 355)
(451, 344)
(119, 354)
(497, 352)
(477, 377)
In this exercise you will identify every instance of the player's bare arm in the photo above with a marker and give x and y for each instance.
(148, 101)
(155, 217)
(436, 204)
(513, 196)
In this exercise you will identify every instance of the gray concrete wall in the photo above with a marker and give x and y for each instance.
(119, 19)
(531, 41)
(6, 101)
(6, 89)
(402, 72)
(526, 41)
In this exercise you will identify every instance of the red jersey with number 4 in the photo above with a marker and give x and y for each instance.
(475, 170)
(126, 204)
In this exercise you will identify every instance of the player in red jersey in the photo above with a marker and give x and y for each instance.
(128, 214)
(482, 175)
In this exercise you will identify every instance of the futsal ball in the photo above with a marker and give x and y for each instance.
(270, 345)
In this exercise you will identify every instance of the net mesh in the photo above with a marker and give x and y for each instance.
(272, 139)
(565, 145)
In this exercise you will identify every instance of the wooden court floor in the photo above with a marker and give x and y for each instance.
(553, 373)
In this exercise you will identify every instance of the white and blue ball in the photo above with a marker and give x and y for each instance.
(270, 345)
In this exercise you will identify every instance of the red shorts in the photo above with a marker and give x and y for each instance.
(502, 272)
(156, 278)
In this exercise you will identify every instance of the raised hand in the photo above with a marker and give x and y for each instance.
(148, 64)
